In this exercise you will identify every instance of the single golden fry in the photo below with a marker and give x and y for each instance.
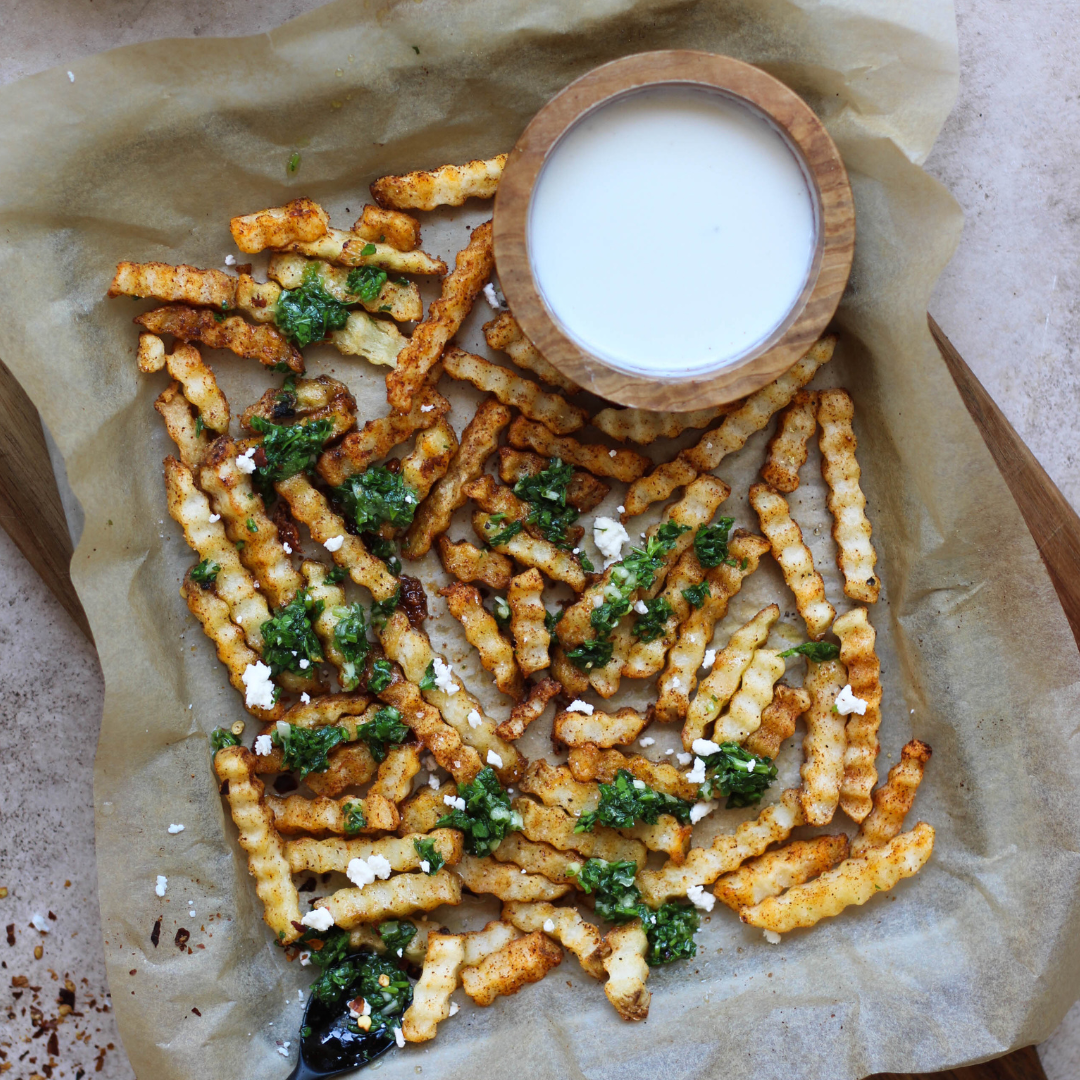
(466, 562)
(443, 962)
(459, 290)
(400, 895)
(770, 874)
(400, 231)
(550, 825)
(301, 219)
(643, 427)
(529, 550)
(322, 856)
(482, 632)
(590, 763)
(327, 709)
(527, 622)
(605, 680)
(854, 881)
(192, 444)
(743, 716)
(296, 814)
(263, 343)
(504, 334)
(174, 284)
(796, 562)
(505, 880)
(350, 765)
(778, 720)
(551, 410)
(857, 639)
(396, 773)
(267, 863)
(786, 453)
(430, 457)
(584, 492)
(573, 680)
(825, 742)
(351, 249)
(538, 858)
(627, 970)
(448, 185)
(332, 598)
(309, 401)
(599, 729)
(718, 687)
(566, 926)
(847, 504)
(526, 960)
(625, 465)
(892, 800)
(420, 813)
(532, 708)
(376, 340)
(478, 441)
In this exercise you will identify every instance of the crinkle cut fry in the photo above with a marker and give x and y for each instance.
(550, 825)
(536, 857)
(192, 444)
(854, 881)
(627, 970)
(825, 742)
(311, 400)
(468, 563)
(584, 491)
(532, 708)
(505, 880)
(703, 866)
(529, 550)
(396, 773)
(478, 442)
(401, 231)
(750, 417)
(185, 364)
(590, 763)
(174, 284)
(720, 685)
(755, 693)
(855, 556)
(378, 341)
(351, 249)
(786, 453)
(599, 729)
(448, 185)
(310, 507)
(797, 564)
(421, 812)
(483, 634)
(394, 898)
(263, 343)
(235, 766)
(528, 621)
(297, 814)
(893, 799)
(213, 614)
(322, 856)
(642, 427)
(332, 597)
(570, 930)
(504, 334)
(298, 220)
(350, 765)
(857, 640)
(770, 874)
(430, 457)
(445, 315)
(778, 720)
(525, 960)
(443, 962)
(600, 460)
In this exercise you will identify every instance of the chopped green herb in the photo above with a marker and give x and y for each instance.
(546, 495)
(335, 575)
(650, 626)
(384, 729)
(383, 549)
(304, 749)
(551, 619)
(496, 518)
(670, 931)
(585, 562)
(368, 249)
(595, 653)
(366, 281)
(221, 737)
(294, 162)
(711, 543)
(381, 610)
(696, 594)
(382, 675)
(737, 773)
(239, 545)
(219, 316)
(289, 642)
(308, 313)
(289, 448)
(427, 852)
(415, 49)
(251, 526)
(377, 496)
(358, 976)
(504, 536)
(818, 651)
(396, 935)
(350, 639)
(501, 610)
(205, 573)
(328, 947)
(428, 681)
(617, 895)
(354, 818)
(487, 816)
(385, 307)
(627, 800)
(200, 424)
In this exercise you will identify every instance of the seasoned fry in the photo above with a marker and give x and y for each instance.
(854, 881)
(590, 763)
(605, 680)
(351, 249)
(584, 492)
(174, 284)
(551, 410)
(200, 387)
(459, 289)
(321, 856)
(504, 334)
(466, 562)
(526, 960)
(857, 639)
(478, 442)
(743, 716)
(213, 613)
(893, 800)
(430, 457)
(550, 825)
(376, 340)
(329, 709)
(750, 417)
(400, 895)
(840, 467)
(627, 970)
(528, 550)
(297, 814)
(718, 687)
(796, 562)
(727, 852)
(443, 962)
(680, 676)
(420, 813)
(786, 453)
(625, 465)
(263, 343)
(350, 765)
(412, 650)
(310, 400)
(310, 507)
(257, 299)
(527, 615)
(300, 219)
(267, 862)
(192, 444)
(573, 681)
(566, 926)
(537, 858)
(448, 185)
(643, 427)
(770, 874)
(778, 720)
(600, 729)
(532, 708)
(482, 632)
(825, 742)
(505, 880)
(401, 231)
(332, 597)
(396, 773)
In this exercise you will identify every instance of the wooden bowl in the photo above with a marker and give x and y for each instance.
(830, 190)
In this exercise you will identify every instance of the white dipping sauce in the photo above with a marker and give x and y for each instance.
(671, 231)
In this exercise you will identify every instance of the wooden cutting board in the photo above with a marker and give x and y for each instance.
(32, 515)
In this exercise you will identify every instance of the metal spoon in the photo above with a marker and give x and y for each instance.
(331, 1049)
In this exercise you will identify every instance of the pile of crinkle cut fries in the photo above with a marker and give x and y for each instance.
(407, 781)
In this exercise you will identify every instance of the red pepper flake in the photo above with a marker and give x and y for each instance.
(134, 971)
(155, 934)
(11, 933)
(195, 1011)
(181, 938)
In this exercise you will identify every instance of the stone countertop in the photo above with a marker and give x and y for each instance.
(1010, 302)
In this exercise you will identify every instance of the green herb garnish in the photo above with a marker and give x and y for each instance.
(251, 526)
(366, 281)
(205, 573)
(595, 653)
(350, 639)
(396, 935)
(487, 816)
(711, 543)
(737, 773)
(650, 626)
(382, 730)
(381, 610)
(504, 536)
(335, 575)
(696, 594)
(627, 800)
(617, 895)
(305, 749)
(358, 976)
(221, 737)
(293, 163)
(818, 651)
(382, 675)
(551, 619)
(428, 853)
(289, 448)
(500, 609)
(384, 549)
(289, 642)
(377, 496)
(308, 313)
(545, 492)
(428, 681)
(200, 425)
(368, 249)
(354, 818)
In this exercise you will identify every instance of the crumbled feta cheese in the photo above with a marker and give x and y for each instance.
(640, 607)
(425, 866)
(475, 720)
(174, 829)
(443, 681)
(230, 260)
(264, 745)
(772, 937)
(162, 884)
(676, 683)
(620, 509)
(71, 76)
(287, 546)
(359, 873)
(42, 927)
(305, 664)
(433, 782)
(598, 600)
(611, 453)
(640, 785)
(333, 543)
(454, 1006)
(455, 802)
(697, 774)
(399, 1038)
(305, 959)
(683, 758)
(668, 752)
(245, 462)
(213, 518)
(282, 1051)
(493, 297)
(577, 705)
(426, 408)
(697, 896)
(710, 659)
(847, 702)
(705, 747)
(305, 698)
(647, 741)
(258, 686)
(549, 926)
(318, 919)
(609, 537)
(700, 810)
(494, 759)
(380, 866)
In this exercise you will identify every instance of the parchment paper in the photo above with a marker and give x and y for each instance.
(148, 153)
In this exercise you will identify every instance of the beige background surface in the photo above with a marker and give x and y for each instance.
(1008, 301)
